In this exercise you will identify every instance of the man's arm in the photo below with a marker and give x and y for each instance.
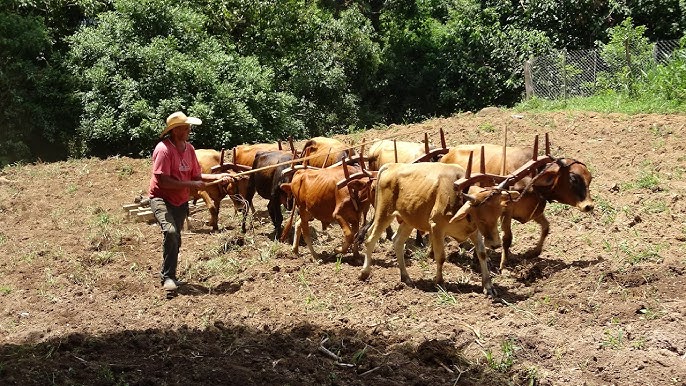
(169, 182)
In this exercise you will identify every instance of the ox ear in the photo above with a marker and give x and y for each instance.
(462, 212)
(507, 196)
(357, 184)
(286, 188)
(547, 178)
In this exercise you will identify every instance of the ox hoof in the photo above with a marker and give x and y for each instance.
(364, 275)
(406, 280)
(491, 293)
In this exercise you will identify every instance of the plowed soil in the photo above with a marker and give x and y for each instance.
(604, 304)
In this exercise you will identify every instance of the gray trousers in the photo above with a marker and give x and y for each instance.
(171, 220)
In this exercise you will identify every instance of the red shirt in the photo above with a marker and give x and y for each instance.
(168, 160)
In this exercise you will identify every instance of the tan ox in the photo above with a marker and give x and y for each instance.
(387, 151)
(424, 197)
(566, 181)
(324, 151)
(215, 193)
(317, 198)
(384, 152)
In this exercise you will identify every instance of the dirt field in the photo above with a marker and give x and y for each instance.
(603, 304)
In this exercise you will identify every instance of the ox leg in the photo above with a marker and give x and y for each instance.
(304, 229)
(480, 251)
(349, 231)
(379, 223)
(213, 209)
(506, 227)
(545, 229)
(296, 236)
(437, 240)
(389, 233)
(399, 239)
(274, 208)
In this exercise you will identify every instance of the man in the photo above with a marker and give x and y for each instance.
(175, 170)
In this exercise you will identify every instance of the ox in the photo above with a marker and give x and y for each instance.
(245, 154)
(324, 152)
(565, 180)
(213, 194)
(317, 197)
(387, 151)
(423, 196)
(266, 183)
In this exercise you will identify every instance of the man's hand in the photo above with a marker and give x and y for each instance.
(198, 184)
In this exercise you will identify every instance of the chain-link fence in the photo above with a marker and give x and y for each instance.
(566, 74)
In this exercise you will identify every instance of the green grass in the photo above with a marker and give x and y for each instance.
(507, 356)
(610, 102)
(445, 298)
(613, 339)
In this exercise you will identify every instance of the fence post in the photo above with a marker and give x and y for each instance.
(528, 86)
(564, 74)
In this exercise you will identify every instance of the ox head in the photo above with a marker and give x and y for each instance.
(482, 208)
(566, 181)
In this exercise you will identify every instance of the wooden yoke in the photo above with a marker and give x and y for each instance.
(430, 154)
(504, 182)
(222, 167)
(481, 179)
(532, 166)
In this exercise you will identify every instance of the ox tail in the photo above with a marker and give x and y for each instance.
(289, 225)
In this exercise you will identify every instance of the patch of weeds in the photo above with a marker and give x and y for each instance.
(639, 344)
(5, 290)
(445, 298)
(359, 355)
(613, 339)
(125, 171)
(337, 266)
(507, 356)
(608, 213)
(3, 239)
(678, 173)
(221, 266)
(270, 252)
(646, 179)
(312, 302)
(651, 314)
(106, 232)
(636, 255)
(101, 258)
(71, 188)
(555, 208)
(531, 376)
(655, 206)
(487, 127)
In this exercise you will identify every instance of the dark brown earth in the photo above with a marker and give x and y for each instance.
(603, 304)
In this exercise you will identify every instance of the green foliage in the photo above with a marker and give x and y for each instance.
(439, 60)
(146, 59)
(35, 105)
(628, 55)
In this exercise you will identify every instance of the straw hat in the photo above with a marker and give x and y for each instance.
(179, 119)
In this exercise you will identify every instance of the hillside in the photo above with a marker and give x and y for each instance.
(603, 304)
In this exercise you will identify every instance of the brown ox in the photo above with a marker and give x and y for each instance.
(213, 194)
(245, 154)
(566, 181)
(317, 198)
(424, 197)
(266, 183)
(324, 151)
